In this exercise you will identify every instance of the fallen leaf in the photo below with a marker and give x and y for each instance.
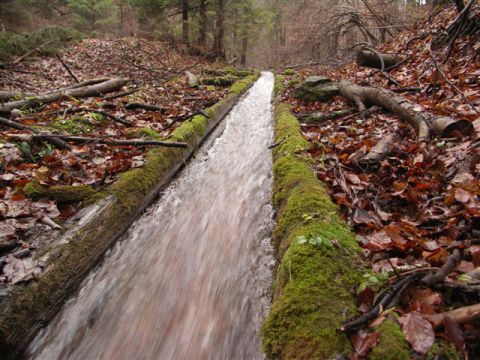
(418, 331)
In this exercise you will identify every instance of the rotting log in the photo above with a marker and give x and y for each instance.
(9, 95)
(373, 60)
(61, 193)
(30, 307)
(99, 89)
(425, 124)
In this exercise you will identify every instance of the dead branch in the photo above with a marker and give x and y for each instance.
(97, 140)
(381, 305)
(101, 112)
(121, 94)
(149, 107)
(424, 123)
(462, 315)
(81, 92)
(433, 279)
(450, 82)
(68, 69)
(53, 139)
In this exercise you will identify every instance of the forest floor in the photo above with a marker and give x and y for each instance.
(420, 204)
(156, 76)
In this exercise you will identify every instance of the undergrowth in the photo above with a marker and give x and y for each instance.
(12, 44)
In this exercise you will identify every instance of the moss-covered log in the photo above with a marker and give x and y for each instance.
(317, 255)
(30, 307)
(62, 194)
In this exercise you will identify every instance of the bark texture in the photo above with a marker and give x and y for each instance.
(372, 60)
(425, 124)
(98, 89)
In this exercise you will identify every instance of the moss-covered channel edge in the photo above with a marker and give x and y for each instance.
(317, 256)
(30, 307)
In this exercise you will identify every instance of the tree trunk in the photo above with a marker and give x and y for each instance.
(78, 92)
(185, 28)
(372, 60)
(425, 124)
(202, 32)
(218, 50)
(244, 49)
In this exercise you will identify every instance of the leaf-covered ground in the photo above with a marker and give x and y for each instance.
(156, 72)
(413, 209)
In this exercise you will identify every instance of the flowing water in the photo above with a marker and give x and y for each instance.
(190, 279)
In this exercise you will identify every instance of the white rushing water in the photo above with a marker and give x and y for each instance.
(190, 279)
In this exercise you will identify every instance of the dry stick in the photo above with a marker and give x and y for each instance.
(101, 112)
(68, 69)
(450, 82)
(382, 71)
(82, 139)
(149, 107)
(31, 52)
(389, 295)
(433, 279)
(462, 315)
(121, 94)
(320, 117)
(278, 143)
(52, 138)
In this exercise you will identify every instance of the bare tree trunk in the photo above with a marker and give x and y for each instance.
(218, 39)
(244, 49)
(202, 32)
(185, 28)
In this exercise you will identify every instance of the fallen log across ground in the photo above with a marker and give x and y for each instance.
(52, 138)
(106, 141)
(98, 89)
(376, 60)
(425, 124)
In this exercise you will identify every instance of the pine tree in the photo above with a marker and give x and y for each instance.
(92, 15)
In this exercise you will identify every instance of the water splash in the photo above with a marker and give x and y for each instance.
(190, 279)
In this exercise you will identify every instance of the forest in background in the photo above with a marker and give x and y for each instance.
(262, 33)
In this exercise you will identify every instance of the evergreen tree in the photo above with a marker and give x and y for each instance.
(92, 15)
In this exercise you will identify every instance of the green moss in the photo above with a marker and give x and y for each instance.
(278, 87)
(146, 133)
(63, 194)
(12, 44)
(443, 351)
(289, 72)
(243, 73)
(76, 125)
(392, 345)
(222, 81)
(315, 283)
(241, 85)
(32, 306)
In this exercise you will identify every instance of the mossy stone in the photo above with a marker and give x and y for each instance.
(316, 88)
